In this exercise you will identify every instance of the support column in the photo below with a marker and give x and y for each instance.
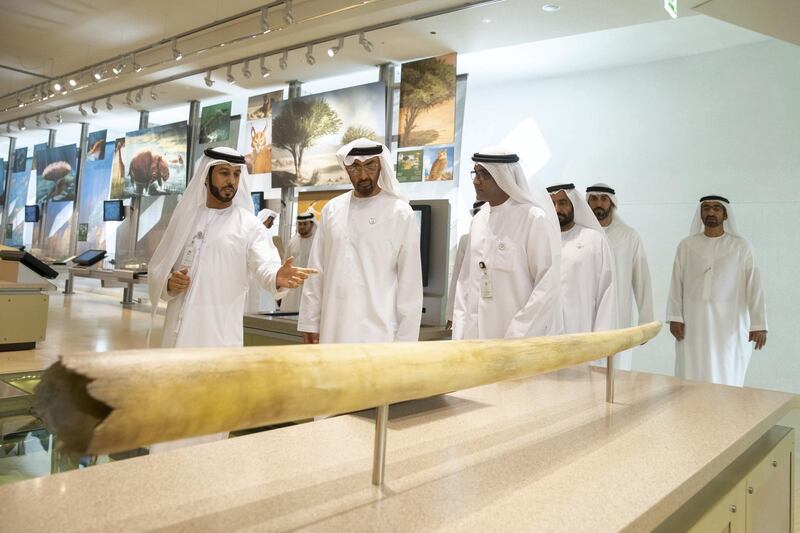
(73, 238)
(288, 205)
(136, 201)
(194, 138)
(12, 145)
(387, 76)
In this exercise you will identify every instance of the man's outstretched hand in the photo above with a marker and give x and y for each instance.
(290, 276)
(759, 337)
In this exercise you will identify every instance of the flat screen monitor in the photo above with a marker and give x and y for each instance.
(113, 211)
(423, 215)
(89, 257)
(258, 200)
(31, 213)
(29, 261)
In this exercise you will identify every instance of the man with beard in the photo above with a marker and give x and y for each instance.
(716, 301)
(508, 286)
(630, 263)
(211, 247)
(300, 249)
(367, 251)
(587, 266)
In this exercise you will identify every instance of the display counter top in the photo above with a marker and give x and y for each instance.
(31, 286)
(287, 325)
(544, 453)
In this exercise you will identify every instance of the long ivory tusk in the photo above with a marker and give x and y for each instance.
(115, 401)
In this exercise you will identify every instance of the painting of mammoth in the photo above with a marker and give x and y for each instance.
(154, 162)
(148, 172)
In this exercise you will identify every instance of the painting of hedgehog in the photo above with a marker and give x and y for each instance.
(55, 174)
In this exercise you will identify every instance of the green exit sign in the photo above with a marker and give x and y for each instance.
(672, 8)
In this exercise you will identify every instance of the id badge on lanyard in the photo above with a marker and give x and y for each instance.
(486, 283)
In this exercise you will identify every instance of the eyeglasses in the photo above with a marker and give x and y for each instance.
(359, 170)
(480, 175)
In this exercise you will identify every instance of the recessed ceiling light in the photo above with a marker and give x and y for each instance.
(486, 21)
(551, 8)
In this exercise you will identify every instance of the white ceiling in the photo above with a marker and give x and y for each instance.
(508, 39)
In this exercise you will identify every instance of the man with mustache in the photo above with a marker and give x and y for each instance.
(508, 286)
(212, 246)
(367, 251)
(630, 263)
(587, 266)
(300, 248)
(716, 301)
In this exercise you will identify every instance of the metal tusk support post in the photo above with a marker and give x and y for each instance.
(379, 454)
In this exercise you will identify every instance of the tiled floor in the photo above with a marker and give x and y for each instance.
(85, 321)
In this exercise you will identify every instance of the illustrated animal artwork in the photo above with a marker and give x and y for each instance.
(60, 173)
(148, 171)
(213, 126)
(263, 111)
(408, 162)
(261, 159)
(118, 170)
(96, 151)
(438, 167)
(176, 161)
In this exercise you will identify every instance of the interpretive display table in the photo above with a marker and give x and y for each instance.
(271, 330)
(114, 275)
(540, 454)
(23, 306)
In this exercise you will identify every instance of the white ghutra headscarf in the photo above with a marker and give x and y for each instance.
(363, 149)
(730, 223)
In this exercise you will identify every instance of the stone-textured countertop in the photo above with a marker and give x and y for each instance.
(540, 454)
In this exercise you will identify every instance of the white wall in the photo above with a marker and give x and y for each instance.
(663, 134)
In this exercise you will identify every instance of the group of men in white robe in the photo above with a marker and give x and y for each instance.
(507, 264)
(536, 262)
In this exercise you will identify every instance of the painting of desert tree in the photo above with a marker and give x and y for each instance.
(307, 132)
(428, 102)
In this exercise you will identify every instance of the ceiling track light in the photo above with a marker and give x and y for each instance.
(128, 99)
(38, 121)
(98, 73)
(59, 118)
(333, 50)
(310, 55)
(175, 52)
(139, 95)
(94, 106)
(364, 42)
(153, 93)
(109, 105)
(82, 110)
(246, 70)
(72, 81)
(231, 79)
(284, 60)
(57, 86)
(21, 125)
(19, 101)
(208, 80)
(117, 69)
(265, 71)
(265, 27)
(288, 13)
(35, 94)
(47, 120)
(8, 128)
(134, 65)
